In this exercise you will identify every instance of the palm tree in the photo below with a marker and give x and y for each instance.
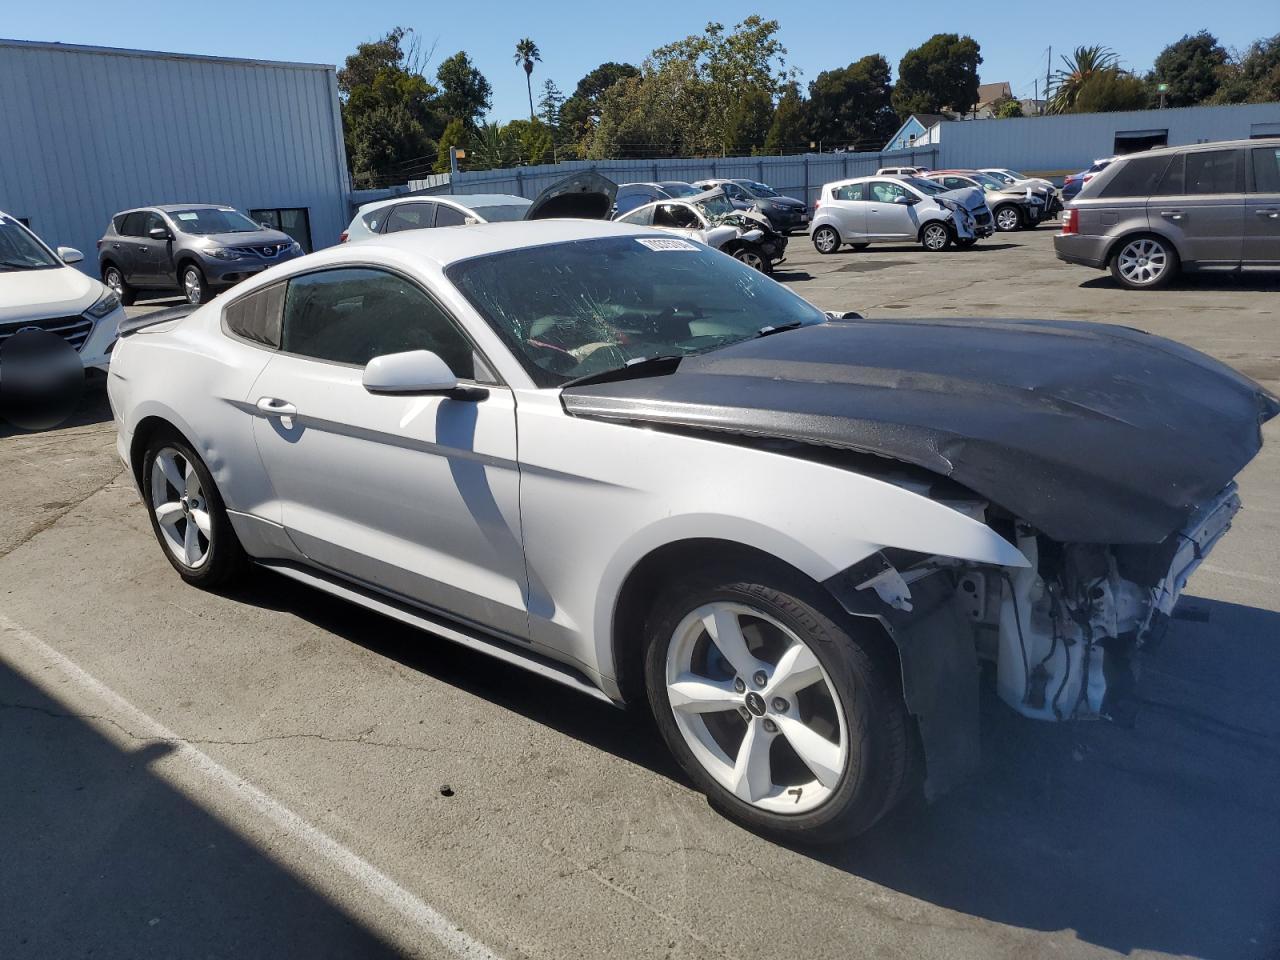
(1083, 63)
(526, 53)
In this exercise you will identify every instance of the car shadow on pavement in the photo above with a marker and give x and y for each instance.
(1252, 282)
(102, 857)
(92, 408)
(1162, 838)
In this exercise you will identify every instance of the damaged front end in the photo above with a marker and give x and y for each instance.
(1062, 632)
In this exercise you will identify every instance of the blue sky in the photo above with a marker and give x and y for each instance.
(575, 37)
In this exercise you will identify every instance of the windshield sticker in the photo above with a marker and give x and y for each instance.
(188, 216)
(664, 243)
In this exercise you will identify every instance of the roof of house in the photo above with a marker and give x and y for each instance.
(927, 120)
(991, 92)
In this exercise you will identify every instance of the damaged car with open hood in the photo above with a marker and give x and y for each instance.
(711, 218)
(643, 471)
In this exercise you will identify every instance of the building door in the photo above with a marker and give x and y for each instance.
(295, 221)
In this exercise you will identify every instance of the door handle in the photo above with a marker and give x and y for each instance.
(1273, 213)
(1172, 214)
(271, 407)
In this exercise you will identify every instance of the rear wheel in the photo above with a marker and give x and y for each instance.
(781, 715)
(935, 237)
(1144, 263)
(1008, 218)
(187, 514)
(114, 279)
(826, 240)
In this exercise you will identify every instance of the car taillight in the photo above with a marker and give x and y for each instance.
(343, 238)
(1069, 222)
(817, 204)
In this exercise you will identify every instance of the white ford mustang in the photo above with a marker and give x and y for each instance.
(641, 469)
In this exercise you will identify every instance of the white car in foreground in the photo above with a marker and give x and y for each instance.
(643, 470)
(40, 290)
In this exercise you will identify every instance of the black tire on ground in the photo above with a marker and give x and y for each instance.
(752, 256)
(878, 768)
(1134, 257)
(226, 560)
(826, 239)
(113, 277)
(1008, 218)
(194, 287)
(935, 237)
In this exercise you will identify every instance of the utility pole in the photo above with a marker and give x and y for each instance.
(1047, 66)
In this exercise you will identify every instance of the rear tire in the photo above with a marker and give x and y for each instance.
(826, 240)
(800, 731)
(1144, 262)
(188, 516)
(113, 277)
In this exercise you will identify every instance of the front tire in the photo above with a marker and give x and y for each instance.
(194, 286)
(775, 706)
(1145, 262)
(1008, 218)
(826, 240)
(935, 237)
(188, 516)
(752, 257)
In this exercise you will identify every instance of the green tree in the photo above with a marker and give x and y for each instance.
(532, 141)
(389, 110)
(527, 53)
(1192, 68)
(1077, 68)
(1109, 90)
(853, 105)
(492, 147)
(939, 75)
(464, 92)
(550, 103)
(1007, 109)
(748, 123)
(661, 114)
(454, 135)
(1253, 77)
(581, 112)
(789, 131)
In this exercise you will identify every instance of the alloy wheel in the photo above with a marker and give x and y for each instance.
(751, 259)
(756, 708)
(114, 281)
(191, 285)
(1007, 219)
(825, 240)
(1143, 261)
(935, 237)
(181, 508)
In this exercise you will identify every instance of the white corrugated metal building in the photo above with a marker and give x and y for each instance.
(90, 131)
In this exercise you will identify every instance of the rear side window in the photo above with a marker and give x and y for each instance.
(642, 217)
(447, 216)
(132, 224)
(1173, 182)
(374, 218)
(1214, 171)
(1266, 170)
(850, 191)
(410, 216)
(1136, 178)
(256, 317)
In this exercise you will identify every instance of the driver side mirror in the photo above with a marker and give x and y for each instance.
(69, 255)
(906, 201)
(159, 233)
(415, 371)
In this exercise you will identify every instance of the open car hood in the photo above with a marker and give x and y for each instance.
(585, 195)
(1091, 432)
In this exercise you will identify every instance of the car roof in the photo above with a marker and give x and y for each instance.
(1195, 148)
(174, 208)
(467, 200)
(452, 244)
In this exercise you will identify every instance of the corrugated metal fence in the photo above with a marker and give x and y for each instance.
(797, 176)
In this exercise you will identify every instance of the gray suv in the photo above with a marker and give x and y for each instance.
(1212, 206)
(196, 248)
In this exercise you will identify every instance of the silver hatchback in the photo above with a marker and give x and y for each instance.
(1212, 206)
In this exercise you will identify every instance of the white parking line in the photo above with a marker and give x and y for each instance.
(454, 940)
(1239, 574)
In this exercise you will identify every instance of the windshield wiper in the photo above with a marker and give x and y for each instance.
(779, 328)
(659, 365)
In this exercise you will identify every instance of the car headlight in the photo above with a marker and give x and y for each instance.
(105, 304)
(222, 253)
(295, 247)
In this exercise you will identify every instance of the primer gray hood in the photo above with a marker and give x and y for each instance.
(1091, 432)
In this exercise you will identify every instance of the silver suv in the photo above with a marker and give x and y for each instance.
(1212, 206)
(195, 248)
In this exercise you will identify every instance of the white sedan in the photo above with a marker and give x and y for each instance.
(649, 473)
(41, 290)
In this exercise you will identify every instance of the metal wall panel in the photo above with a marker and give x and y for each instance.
(92, 131)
